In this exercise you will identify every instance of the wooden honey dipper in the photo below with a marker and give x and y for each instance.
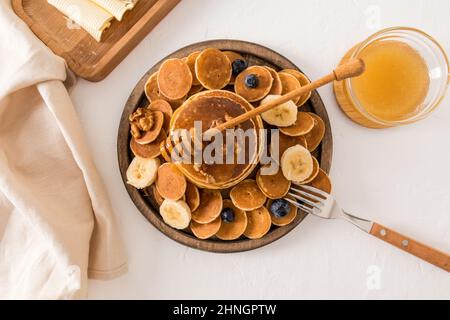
(351, 68)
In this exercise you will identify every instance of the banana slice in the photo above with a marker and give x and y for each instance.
(176, 214)
(284, 115)
(142, 172)
(297, 163)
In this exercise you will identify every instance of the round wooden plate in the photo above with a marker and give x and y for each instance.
(255, 55)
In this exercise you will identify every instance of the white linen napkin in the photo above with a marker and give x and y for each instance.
(56, 222)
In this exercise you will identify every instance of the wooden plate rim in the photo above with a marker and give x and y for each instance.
(124, 156)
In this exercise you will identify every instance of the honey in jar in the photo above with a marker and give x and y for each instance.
(395, 83)
(406, 78)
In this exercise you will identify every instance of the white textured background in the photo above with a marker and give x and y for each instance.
(399, 177)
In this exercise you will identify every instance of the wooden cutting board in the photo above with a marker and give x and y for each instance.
(86, 57)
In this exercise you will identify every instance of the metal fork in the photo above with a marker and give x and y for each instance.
(319, 203)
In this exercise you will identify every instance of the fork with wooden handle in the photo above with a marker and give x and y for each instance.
(352, 68)
(315, 201)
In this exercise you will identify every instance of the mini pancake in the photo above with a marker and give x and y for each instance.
(322, 182)
(150, 150)
(303, 82)
(153, 133)
(170, 183)
(277, 86)
(289, 83)
(316, 169)
(232, 230)
(151, 88)
(210, 206)
(213, 69)
(247, 195)
(192, 196)
(282, 221)
(265, 81)
(164, 107)
(206, 230)
(258, 223)
(303, 125)
(154, 194)
(190, 61)
(315, 136)
(152, 92)
(233, 56)
(174, 79)
(273, 186)
(286, 142)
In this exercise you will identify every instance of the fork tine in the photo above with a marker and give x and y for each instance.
(298, 205)
(311, 203)
(315, 190)
(305, 208)
(307, 194)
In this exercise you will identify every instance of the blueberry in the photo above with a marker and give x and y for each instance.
(238, 66)
(251, 81)
(227, 215)
(280, 208)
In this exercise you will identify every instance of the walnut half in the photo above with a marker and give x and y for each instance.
(141, 120)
